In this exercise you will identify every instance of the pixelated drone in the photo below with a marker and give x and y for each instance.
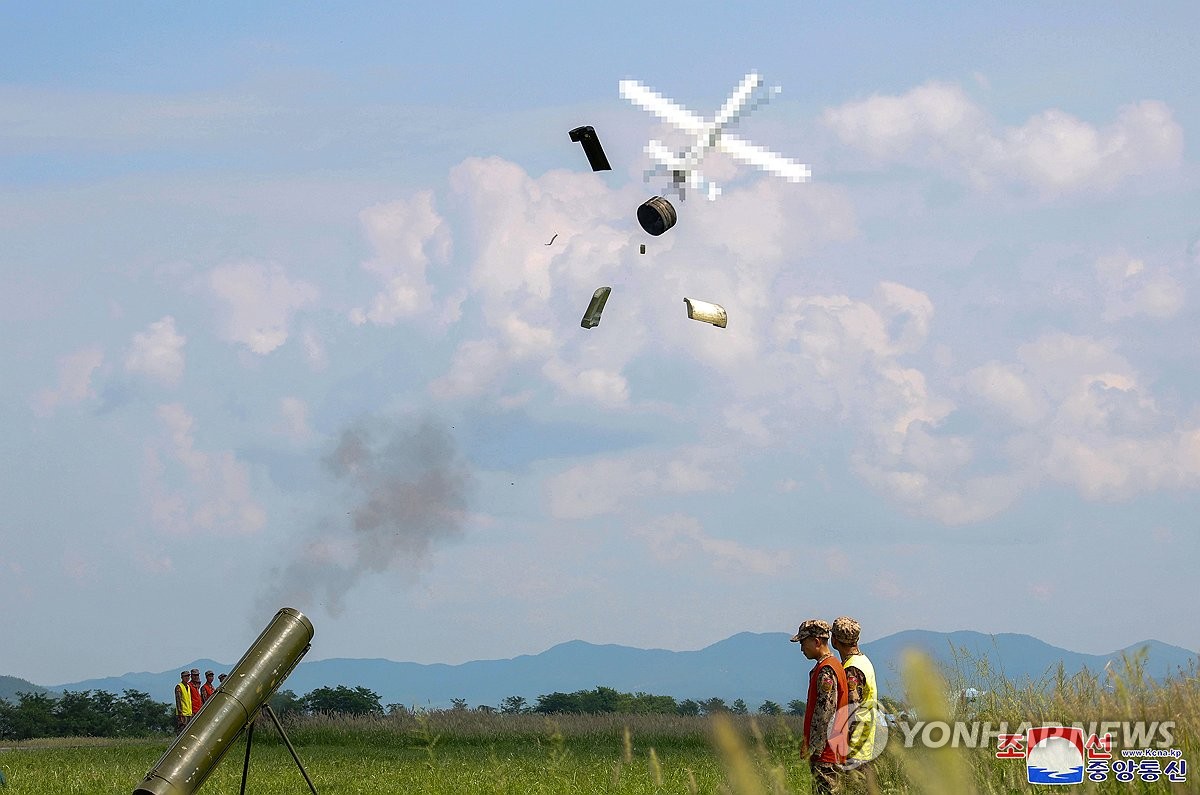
(684, 167)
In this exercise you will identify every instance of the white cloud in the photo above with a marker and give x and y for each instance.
(476, 365)
(606, 387)
(1007, 392)
(1078, 413)
(1056, 152)
(191, 492)
(681, 539)
(407, 236)
(845, 358)
(257, 302)
(1131, 289)
(157, 352)
(314, 350)
(1053, 152)
(610, 484)
(888, 127)
(74, 384)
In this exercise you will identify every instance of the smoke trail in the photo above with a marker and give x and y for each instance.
(405, 486)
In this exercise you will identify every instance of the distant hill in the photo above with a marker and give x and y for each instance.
(751, 666)
(11, 685)
(1019, 658)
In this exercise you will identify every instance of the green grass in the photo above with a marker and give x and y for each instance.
(400, 760)
(469, 752)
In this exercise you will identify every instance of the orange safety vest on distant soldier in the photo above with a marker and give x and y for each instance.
(197, 700)
(835, 748)
(183, 699)
(206, 691)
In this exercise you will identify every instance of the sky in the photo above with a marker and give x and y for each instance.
(280, 327)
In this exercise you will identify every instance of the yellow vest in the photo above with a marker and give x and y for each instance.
(862, 722)
(185, 699)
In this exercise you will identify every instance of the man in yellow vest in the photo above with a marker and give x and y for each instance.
(183, 701)
(862, 696)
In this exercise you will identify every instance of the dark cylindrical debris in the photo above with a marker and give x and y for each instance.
(656, 215)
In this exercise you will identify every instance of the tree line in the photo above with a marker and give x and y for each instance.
(98, 713)
(362, 701)
(86, 713)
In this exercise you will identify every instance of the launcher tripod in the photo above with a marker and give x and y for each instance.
(250, 740)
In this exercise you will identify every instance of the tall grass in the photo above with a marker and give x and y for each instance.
(460, 751)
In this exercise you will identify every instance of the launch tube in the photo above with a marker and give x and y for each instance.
(199, 749)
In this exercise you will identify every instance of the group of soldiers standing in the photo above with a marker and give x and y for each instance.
(190, 695)
(842, 712)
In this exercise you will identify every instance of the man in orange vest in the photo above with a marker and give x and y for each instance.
(197, 699)
(183, 702)
(825, 711)
(207, 689)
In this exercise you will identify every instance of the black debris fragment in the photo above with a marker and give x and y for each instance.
(591, 147)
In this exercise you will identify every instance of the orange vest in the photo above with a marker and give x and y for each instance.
(206, 691)
(197, 700)
(836, 745)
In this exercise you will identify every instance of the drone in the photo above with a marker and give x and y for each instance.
(683, 167)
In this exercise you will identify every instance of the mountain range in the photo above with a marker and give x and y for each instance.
(754, 667)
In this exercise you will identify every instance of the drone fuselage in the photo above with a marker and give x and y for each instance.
(683, 167)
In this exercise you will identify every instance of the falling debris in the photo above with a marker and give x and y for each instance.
(706, 312)
(643, 248)
(591, 147)
(656, 215)
(591, 318)
(552, 239)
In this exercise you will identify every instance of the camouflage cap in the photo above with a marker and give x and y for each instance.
(846, 630)
(813, 628)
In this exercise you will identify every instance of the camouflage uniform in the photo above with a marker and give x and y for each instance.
(857, 775)
(824, 774)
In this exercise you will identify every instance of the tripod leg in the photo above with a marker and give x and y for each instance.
(246, 764)
(271, 714)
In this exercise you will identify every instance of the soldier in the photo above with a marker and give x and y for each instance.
(183, 702)
(207, 689)
(825, 711)
(194, 684)
(221, 679)
(861, 696)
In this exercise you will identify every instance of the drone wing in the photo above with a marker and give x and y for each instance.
(764, 158)
(660, 106)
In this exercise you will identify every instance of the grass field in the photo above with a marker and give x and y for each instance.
(471, 752)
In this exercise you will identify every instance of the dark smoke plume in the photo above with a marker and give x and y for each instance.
(403, 488)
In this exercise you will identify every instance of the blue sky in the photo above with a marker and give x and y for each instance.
(280, 328)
